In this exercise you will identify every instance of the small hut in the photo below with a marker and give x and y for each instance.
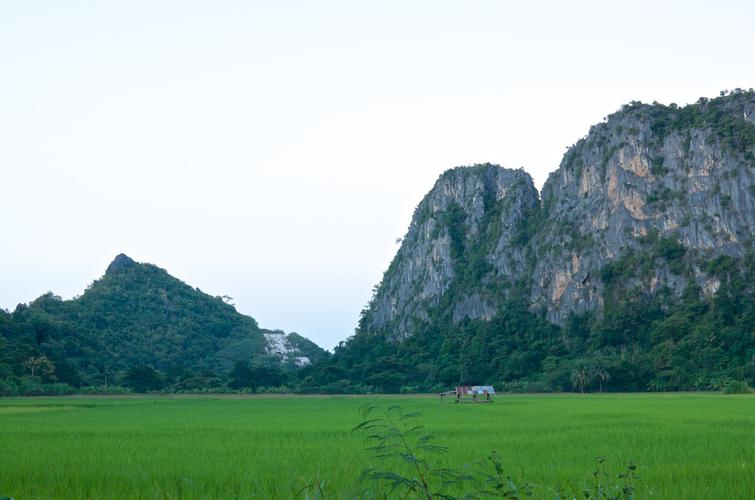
(470, 394)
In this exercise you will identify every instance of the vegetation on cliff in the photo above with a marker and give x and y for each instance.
(634, 272)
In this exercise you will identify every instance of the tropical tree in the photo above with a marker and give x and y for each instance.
(580, 377)
(143, 378)
(39, 366)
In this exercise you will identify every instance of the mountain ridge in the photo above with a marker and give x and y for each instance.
(607, 175)
(648, 222)
(633, 269)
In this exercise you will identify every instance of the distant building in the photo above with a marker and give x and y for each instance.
(478, 393)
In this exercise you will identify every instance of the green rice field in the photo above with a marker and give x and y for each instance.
(686, 445)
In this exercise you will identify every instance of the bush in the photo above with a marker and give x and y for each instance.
(410, 389)
(8, 388)
(144, 379)
(58, 389)
(113, 390)
(525, 386)
(737, 387)
(32, 386)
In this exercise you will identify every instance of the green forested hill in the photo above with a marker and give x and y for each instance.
(136, 316)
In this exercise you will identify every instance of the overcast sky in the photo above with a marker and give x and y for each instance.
(274, 151)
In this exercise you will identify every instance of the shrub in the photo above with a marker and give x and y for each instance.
(143, 379)
(8, 388)
(410, 389)
(58, 389)
(737, 387)
(657, 167)
(105, 390)
(30, 386)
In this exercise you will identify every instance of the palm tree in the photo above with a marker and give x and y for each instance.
(579, 378)
(602, 375)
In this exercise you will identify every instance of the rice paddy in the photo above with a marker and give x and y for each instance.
(686, 445)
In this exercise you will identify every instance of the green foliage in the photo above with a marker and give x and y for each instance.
(452, 220)
(509, 347)
(529, 226)
(724, 115)
(143, 379)
(33, 386)
(267, 374)
(399, 440)
(607, 155)
(602, 488)
(104, 390)
(140, 327)
(301, 346)
(737, 387)
(656, 166)
(397, 437)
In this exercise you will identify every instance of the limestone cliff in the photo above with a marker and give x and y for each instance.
(685, 174)
(677, 181)
(464, 230)
(292, 349)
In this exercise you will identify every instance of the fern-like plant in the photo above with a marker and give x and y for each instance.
(398, 437)
(492, 481)
(406, 447)
(603, 489)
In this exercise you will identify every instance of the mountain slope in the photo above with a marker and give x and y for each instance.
(639, 253)
(137, 314)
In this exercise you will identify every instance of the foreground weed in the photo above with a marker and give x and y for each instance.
(492, 481)
(313, 490)
(398, 437)
(602, 487)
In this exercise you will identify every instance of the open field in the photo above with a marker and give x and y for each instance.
(687, 445)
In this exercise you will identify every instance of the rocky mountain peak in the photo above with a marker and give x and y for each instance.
(121, 261)
(468, 214)
(649, 175)
(652, 179)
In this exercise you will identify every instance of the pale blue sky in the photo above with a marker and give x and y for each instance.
(274, 151)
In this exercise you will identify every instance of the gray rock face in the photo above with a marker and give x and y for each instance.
(626, 180)
(468, 206)
(686, 174)
(283, 346)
